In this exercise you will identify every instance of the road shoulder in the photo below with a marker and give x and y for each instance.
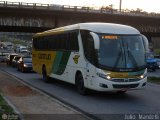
(34, 105)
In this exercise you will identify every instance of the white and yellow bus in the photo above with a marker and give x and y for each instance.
(97, 56)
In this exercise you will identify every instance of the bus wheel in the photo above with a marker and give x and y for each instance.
(80, 85)
(44, 74)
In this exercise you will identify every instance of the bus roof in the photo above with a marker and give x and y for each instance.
(109, 28)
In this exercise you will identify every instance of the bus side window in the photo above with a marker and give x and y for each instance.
(39, 43)
(88, 46)
(72, 41)
(34, 43)
(68, 39)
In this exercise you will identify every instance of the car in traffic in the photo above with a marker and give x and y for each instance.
(157, 57)
(3, 56)
(152, 63)
(158, 62)
(10, 58)
(15, 60)
(24, 64)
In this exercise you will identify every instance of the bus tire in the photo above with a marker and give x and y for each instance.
(80, 84)
(44, 74)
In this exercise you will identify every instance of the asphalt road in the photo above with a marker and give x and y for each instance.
(106, 106)
(155, 73)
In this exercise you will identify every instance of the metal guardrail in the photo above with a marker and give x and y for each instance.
(72, 8)
(22, 5)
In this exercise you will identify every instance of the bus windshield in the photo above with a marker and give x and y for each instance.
(121, 52)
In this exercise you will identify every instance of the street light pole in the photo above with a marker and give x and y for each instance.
(120, 5)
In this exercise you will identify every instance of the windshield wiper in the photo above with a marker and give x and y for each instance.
(120, 54)
(118, 58)
(130, 55)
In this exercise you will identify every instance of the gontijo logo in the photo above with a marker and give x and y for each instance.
(75, 58)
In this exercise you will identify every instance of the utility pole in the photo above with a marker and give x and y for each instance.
(120, 5)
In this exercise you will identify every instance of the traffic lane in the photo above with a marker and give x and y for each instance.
(154, 73)
(139, 101)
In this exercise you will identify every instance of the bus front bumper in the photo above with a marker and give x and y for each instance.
(101, 84)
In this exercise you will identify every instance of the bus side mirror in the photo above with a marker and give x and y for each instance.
(96, 40)
(145, 42)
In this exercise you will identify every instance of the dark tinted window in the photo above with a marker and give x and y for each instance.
(88, 45)
(72, 41)
(63, 41)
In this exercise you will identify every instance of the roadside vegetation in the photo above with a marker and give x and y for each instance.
(154, 79)
(14, 40)
(157, 51)
(4, 107)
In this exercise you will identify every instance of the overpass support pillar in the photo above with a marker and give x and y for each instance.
(156, 42)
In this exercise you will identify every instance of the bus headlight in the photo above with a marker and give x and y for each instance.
(103, 75)
(109, 77)
(142, 76)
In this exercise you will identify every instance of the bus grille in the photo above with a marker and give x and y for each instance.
(125, 86)
(126, 80)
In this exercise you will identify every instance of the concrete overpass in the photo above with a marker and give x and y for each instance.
(34, 17)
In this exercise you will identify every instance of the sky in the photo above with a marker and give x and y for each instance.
(145, 5)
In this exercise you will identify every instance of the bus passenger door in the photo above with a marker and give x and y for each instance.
(90, 54)
(90, 74)
(89, 41)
